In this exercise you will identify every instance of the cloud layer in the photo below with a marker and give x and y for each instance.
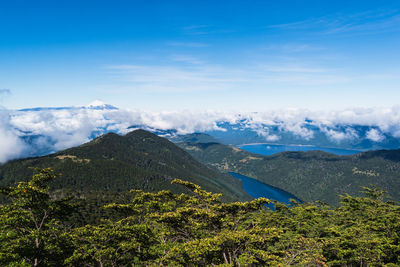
(31, 132)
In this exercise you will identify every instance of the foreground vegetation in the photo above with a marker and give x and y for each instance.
(196, 229)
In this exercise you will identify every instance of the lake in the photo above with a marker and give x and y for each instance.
(258, 189)
(269, 149)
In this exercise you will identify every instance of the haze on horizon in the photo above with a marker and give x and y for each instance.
(222, 55)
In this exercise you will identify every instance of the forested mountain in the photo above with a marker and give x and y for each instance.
(112, 163)
(311, 176)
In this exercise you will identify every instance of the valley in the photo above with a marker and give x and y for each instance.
(312, 175)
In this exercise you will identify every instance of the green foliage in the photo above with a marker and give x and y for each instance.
(31, 225)
(111, 244)
(197, 229)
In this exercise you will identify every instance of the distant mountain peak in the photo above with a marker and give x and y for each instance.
(98, 104)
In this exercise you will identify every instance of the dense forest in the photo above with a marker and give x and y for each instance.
(38, 228)
(310, 176)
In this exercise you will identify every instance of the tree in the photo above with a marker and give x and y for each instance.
(365, 231)
(31, 223)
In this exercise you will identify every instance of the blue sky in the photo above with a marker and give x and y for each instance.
(224, 55)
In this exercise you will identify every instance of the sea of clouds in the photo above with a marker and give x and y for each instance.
(27, 132)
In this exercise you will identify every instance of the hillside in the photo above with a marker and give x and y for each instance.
(311, 176)
(111, 164)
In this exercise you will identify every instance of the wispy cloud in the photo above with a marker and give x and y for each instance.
(369, 22)
(187, 59)
(188, 44)
(176, 78)
(294, 48)
(204, 30)
(197, 29)
(187, 73)
(293, 68)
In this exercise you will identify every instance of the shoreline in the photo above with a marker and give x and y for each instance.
(277, 189)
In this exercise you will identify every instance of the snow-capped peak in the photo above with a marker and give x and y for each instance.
(98, 104)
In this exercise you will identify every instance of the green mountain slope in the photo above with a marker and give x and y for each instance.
(311, 176)
(112, 163)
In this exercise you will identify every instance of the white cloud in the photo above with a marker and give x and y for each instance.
(11, 145)
(375, 135)
(386, 119)
(59, 129)
(266, 134)
(337, 136)
(298, 129)
(67, 127)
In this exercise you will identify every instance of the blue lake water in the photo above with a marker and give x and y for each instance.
(269, 149)
(258, 189)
